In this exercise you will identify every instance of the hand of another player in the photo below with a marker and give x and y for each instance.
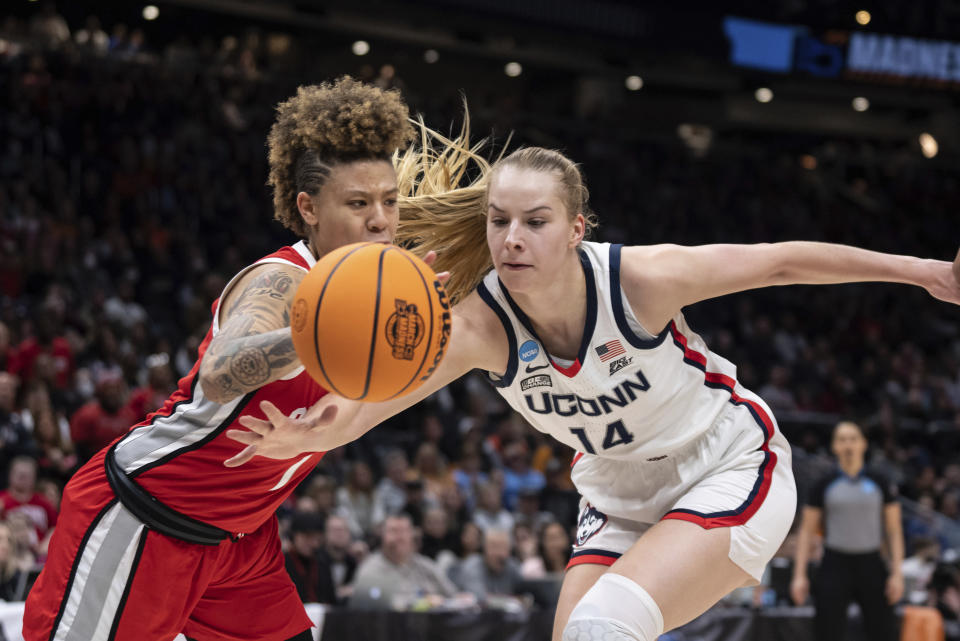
(945, 280)
(279, 436)
(443, 277)
(799, 590)
(894, 590)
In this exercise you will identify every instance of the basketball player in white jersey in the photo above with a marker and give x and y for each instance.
(685, 479)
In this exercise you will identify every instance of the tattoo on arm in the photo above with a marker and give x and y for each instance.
(254, 346)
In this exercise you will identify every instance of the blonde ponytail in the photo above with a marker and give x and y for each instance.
(443, 199)
(443, 193)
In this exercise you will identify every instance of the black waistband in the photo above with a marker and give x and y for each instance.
(154, 514)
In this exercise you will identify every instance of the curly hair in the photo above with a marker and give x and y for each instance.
(326, 125)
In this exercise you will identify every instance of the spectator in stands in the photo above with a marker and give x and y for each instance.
(777, 391)
(337, 564)
(320, 493)
(160, 385)
(553, 552)
(518, 476)
(395, 576)
(7, 352)
(854, 508)
(558, 497)
(945, 592)
(302, 560)
(490, 514)
(22, 496)
(356, 499)
(391, 493)
(45, 341)
(528, 512)
(26, 546)
(13, 579)
(418, 501)
(15, 440)
(495, 572)
(468, 475)
(57, 458)
(438, 542)
(432, 469)
(104, 418)
(919, 567)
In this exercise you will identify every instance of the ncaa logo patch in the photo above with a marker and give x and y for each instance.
(404, 329)
(529, 351)
(591, 521)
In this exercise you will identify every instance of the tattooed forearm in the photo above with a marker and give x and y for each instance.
(243, 364)
(254, 346)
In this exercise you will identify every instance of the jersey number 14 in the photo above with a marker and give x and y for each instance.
(617, 434)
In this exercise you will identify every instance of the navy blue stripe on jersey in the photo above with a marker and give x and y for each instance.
(727, 384)
(596, 552)
(688, 358)
(616, 300)
(589, 323)
(507, 379)
(196, 446)
(763, 466)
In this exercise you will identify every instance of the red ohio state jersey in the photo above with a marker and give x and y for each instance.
(177, 453)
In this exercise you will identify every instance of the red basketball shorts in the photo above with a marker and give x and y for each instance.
(109, 578)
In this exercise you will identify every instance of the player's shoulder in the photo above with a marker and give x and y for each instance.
(478, 325)
(645, 261)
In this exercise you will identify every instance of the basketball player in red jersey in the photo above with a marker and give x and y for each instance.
(155, 536)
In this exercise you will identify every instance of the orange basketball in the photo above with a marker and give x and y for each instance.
(370, 322)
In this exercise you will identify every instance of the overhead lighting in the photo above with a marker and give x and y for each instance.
(863, 17)
(150, 12)
(430, 56)
(513, 69)
(928, 145)
(860, 104)
(633, 83)
(763, 94)
(808, 162)
(361, 48)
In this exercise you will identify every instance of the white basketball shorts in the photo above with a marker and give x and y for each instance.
(737, 474)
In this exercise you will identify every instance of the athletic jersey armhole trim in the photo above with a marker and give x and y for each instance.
(616, 300)
(305, 253)
(507, 379)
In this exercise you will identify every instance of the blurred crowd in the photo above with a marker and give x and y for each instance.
(132, 188)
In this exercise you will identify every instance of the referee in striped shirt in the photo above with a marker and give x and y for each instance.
(854, 508)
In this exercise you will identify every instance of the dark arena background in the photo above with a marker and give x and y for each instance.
(133, 173)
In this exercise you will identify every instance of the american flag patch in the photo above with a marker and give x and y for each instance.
(610, 349)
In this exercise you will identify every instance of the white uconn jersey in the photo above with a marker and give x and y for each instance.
(628, 394)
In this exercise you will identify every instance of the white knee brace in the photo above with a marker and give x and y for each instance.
(614, 609)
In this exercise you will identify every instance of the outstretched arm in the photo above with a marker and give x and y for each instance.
(477, 340)
(665, 278)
